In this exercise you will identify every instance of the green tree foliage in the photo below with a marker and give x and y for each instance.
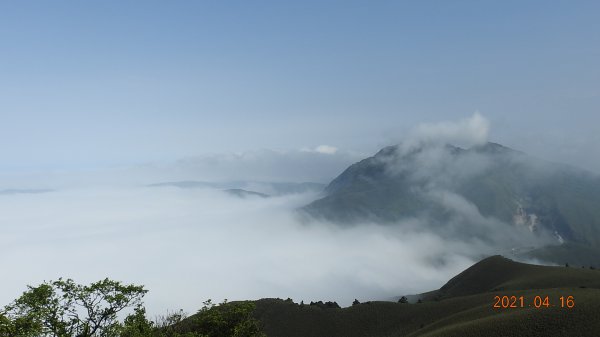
(403, 299)
(326, 305)
(65, 309)
(227, 320)
(137, 325)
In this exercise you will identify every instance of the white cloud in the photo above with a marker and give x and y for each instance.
(323, 149)
(466, 132)
(326, 149)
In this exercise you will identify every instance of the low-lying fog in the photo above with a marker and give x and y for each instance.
(188, 245)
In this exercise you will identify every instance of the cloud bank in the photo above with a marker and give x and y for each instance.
(190, 245)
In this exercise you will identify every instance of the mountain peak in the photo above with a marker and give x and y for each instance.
(407, 150)
(493, 148)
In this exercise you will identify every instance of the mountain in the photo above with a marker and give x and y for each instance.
(266, 188)
(190, 184)
(462, 307)
(238, 192)
(445, 184)
(24, 191)
(498, 273)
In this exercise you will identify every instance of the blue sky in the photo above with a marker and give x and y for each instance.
(96, 84)
(97, 96)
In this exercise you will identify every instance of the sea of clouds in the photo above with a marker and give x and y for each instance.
(189, 245)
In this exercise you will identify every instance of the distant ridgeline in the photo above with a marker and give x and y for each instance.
(483, 191)
(248, 188)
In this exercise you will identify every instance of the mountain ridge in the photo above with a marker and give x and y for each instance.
(434, 180)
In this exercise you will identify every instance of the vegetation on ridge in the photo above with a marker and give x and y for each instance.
(65, 309)
(462, 307)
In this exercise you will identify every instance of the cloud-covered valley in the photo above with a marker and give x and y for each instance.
(189, 245)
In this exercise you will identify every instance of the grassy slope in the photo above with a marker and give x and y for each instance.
(497, 273)
(483, 320)
(463, 308)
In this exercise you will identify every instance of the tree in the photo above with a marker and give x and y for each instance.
(403, 299)
(356, 302)
(65, 309)
(136, 324)
(7, 327)
(330, 304)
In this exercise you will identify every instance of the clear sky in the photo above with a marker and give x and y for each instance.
(102, 83)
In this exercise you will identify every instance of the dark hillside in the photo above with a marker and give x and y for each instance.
(498, 273)
(461, 316)
(462, 307)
